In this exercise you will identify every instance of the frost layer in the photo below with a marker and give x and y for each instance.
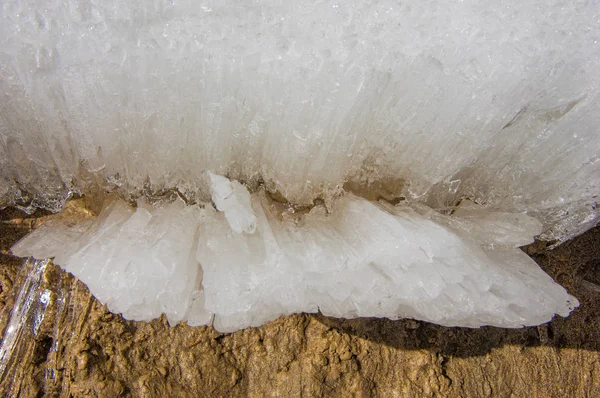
(495, 101)
(365, 259)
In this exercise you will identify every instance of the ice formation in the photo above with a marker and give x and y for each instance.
(364, 259)
(426, 103)
(495, 101)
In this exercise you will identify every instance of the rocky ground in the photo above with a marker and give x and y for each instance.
(79, 349)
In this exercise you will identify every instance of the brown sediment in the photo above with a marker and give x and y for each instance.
(388, 190)
(82, 350)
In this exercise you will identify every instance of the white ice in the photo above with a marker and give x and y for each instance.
(365, 259)
(491, 105)
(494, 101)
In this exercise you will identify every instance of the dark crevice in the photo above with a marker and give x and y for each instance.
(42, 349)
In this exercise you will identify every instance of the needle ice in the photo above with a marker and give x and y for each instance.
(493, 105)
(363, 259)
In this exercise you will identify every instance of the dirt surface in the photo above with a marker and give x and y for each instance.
(79, 349)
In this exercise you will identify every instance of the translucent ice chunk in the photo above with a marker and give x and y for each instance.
(233, 199)
(364, 259)
(488, 227)
(140, 262)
